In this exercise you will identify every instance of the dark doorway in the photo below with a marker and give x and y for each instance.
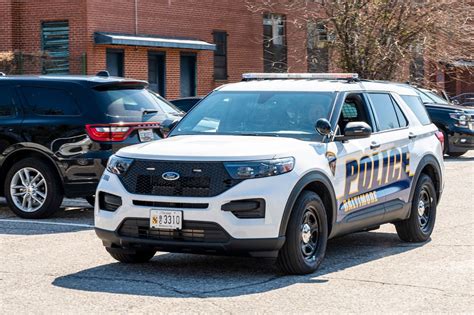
(188, 75)
(114, 62)
(156, 73)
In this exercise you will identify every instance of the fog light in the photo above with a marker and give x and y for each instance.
(109, 202)
(246, 209)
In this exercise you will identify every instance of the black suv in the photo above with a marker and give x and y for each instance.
(456, 122)
(57, 133)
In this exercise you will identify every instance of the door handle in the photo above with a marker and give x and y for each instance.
(374, 145)
(411, 135)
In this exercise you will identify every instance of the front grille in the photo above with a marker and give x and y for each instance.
(192, 231)
(160, 204)
(197, 179)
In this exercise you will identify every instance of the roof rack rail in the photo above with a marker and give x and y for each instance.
(303, 76)
(103, 73)
(2, 74)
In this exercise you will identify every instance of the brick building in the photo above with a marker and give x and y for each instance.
(182, 48)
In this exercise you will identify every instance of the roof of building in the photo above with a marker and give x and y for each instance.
(151, 41)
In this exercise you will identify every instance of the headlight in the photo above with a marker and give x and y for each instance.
(118, 165)
(461, 119)
(258, 169)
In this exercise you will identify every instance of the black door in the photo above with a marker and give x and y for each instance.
(156, 72)
(188, 75)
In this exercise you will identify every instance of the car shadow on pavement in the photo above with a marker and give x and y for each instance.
(458, 159)
(191, 276)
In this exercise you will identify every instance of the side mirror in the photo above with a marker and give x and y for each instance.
(167, 125)
(323, 127)
(355, 130)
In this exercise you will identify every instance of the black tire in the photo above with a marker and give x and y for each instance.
(291, 259)
(456, 154)
(133, 258)
(418, 228)
(91, 200)
(53, 196)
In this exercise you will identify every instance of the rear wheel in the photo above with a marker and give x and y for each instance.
(306, 236)
(32, 189)
(419, 226)
(133, 258)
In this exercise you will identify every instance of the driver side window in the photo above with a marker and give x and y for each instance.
(353, 109)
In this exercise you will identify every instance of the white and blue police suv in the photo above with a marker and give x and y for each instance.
(274, 166)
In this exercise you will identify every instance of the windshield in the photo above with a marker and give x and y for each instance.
(289, 114)
(120, 102)
(429, 97)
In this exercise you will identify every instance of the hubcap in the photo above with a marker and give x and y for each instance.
(424, 209)
(309, 234)
(28, 189)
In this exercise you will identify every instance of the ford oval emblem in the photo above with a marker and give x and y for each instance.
(170, 176)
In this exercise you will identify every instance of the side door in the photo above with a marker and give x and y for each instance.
(352, 164)
(393, 143)
(11, 117)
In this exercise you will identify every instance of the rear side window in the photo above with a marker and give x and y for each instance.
(7, 102)
(387, 112)
(120, 102)
(50, 102)
(418, 108)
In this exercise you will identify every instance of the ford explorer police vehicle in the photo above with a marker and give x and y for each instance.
(274, 166)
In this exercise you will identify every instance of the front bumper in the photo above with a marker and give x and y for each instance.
(252, 247)
(461, 141)
(274, 190)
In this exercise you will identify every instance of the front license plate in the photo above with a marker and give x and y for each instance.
(165, 219)
(145, 135)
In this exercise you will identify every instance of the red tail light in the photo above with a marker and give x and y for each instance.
(116, 132)
(440, 137)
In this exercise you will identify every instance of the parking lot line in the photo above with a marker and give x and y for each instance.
(48, 223)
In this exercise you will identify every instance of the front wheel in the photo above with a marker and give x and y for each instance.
(419, 226)
(137, 257)
(306, 236)
(32, 189)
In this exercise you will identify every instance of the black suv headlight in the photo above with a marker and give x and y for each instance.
(461, 118)
(258, 169)
(118, 165)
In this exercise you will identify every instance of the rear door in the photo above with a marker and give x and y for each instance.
(11, 117)
(393, 142)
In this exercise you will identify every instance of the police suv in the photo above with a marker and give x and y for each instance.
(274, 166)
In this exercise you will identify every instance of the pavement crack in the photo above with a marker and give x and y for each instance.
(447, 293)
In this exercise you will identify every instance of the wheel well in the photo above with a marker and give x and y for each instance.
(435, 177)
(323, 192)
(20, 155)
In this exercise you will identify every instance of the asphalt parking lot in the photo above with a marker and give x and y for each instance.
(58, 265)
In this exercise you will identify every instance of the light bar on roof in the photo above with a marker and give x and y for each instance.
(308, 76)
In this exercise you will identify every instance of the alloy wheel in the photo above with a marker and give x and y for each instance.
(28, 189)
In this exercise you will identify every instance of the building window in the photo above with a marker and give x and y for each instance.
(220, 55)
(114, 61)
(318, 52)
(55, 44)
(274, 43)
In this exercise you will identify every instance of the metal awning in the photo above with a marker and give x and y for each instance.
(151, 41)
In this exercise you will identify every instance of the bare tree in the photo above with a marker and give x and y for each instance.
(381, 39)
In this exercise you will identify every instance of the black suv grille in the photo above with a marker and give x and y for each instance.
(197, 179)
(193, 231)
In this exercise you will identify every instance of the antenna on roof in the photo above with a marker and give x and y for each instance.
(2, 74)
(103, 73)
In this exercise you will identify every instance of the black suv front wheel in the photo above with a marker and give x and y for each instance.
(32, 189)
(306, 236)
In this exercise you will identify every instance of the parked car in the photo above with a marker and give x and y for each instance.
(455, 121)
(57, 133)
(186, 103)
(274, 167)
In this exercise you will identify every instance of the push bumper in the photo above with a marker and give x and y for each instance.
(268, 247)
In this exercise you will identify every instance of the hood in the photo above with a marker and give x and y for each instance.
(213, 148)
(451, 107)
